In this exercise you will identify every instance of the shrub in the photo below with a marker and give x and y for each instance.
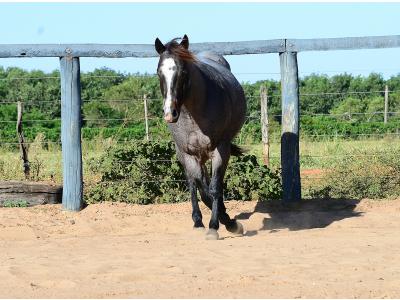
(148, 172)
(246, 179)
(370, 176)
(140, 172)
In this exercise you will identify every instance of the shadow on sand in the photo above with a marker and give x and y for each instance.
(307, 214)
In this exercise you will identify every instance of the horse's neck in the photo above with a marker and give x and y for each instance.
(196, 97)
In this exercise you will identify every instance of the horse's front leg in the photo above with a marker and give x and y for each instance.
(193, 173)
(196, 212)
(203, 186)
(219, 164)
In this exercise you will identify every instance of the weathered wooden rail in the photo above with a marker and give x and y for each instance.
(287, 48)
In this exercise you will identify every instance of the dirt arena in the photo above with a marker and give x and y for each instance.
(321, 249)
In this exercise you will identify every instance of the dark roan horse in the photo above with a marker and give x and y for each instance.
(205, 107)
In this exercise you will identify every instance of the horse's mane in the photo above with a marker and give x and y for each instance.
(178, 50)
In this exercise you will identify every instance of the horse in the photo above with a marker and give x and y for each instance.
(204, 107)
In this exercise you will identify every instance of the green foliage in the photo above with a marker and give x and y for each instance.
(368, 176)
(100, 114)
(95, 84)
(148, 172)
(374, 82)
(140, 172)
(15, 203)
(252, 92)
(325, 125)
(350, 105)
(8, 112)
(246, 179)
(134, 88)
(310, 87)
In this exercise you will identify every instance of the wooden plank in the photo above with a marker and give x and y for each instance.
(345, 43)
(290, 128)
(71, 133)
(239, 48)
(31, 193)
(135, 50)
(77, 50)
(30, 199)
(224, 48)
(28, 187)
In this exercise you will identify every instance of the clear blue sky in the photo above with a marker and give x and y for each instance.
(206, 22)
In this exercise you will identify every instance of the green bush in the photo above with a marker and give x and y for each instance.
(148, 172)
(140, 172)
(368, 176)
(246, 179)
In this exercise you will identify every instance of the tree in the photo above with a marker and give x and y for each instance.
(350, 106)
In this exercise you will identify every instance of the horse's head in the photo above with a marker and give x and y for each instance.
(173, 74)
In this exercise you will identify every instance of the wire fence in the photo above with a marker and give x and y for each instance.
(321, 145)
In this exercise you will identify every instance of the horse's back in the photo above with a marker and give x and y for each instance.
(217, 70)
(209, 55)
(230, 95)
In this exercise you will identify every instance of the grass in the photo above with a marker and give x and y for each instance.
(323, 154)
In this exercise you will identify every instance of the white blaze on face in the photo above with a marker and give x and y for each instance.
(168, 69)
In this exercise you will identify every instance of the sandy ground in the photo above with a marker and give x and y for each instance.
(321, 249)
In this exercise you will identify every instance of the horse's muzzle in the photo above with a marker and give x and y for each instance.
(171, 117)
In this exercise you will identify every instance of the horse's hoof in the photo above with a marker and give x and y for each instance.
(199, 228)
(237, 228)
(212, 234)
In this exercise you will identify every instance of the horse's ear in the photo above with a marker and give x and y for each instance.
(160, 48)
(185, 42)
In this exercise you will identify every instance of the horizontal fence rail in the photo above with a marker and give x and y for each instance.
(346, 43)
(136, 50)
(223, 48)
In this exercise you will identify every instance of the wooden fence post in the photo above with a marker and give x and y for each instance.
(264, 124)
(71, 121)
(22, 146)
(290, 127)
(145, 117)
(385, 117)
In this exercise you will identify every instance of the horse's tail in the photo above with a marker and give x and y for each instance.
(236, 150)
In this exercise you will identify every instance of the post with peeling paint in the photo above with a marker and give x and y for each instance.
(290, 127)
(385, 116)
(146, 121)
(264, 124)
(71, 133)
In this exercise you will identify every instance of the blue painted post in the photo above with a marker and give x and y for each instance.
(290, 127)
(71, 133)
